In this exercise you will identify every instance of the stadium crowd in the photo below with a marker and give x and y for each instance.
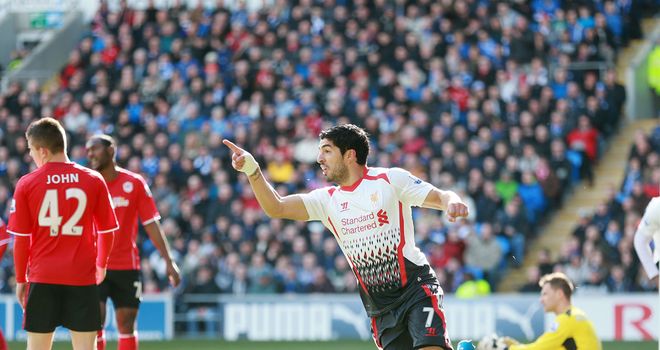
(476, 96)
(599, 257)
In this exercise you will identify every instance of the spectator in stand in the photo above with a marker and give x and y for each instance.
(484, 254)
(532, 196)
(472, 287)
(203, 311)
(532, 285)
(584, 139)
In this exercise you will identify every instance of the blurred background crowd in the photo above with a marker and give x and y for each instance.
(599, 257)
(487, 98)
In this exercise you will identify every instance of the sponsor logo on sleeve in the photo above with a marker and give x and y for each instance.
(415, 180)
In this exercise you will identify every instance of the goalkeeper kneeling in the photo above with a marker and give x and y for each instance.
(571, 329)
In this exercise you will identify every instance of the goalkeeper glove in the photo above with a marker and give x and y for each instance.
(492, 342)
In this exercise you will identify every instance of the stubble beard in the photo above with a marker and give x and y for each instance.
(338, 175)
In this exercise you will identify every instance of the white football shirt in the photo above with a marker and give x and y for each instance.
(372, 222)
(647, 231)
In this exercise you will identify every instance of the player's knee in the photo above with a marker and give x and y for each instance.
(126, 324)
(126, 327)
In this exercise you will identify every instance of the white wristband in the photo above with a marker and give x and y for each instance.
(250, 165)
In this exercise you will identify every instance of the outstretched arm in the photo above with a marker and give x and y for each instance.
(289, 207)
(447, 201)
(550, 340)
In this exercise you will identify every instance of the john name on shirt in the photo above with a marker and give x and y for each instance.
(55, 179)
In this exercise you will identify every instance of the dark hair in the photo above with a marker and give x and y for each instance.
(558, 280)
(48, 133)
(106, 140)
(349, 136)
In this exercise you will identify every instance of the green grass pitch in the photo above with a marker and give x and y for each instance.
(343, 345)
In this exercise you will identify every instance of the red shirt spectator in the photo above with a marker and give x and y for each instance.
(110, 52)
(584, 137)
(72, 66)
(453, 248)
(459, 94)
(237, 37)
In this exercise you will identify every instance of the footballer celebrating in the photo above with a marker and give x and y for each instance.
(132, 199)
(369, 214)
(63, 222)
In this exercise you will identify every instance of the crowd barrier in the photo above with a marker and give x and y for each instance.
(627, 317)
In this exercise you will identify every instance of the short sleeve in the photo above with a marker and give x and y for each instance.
(316, 201)
(104, 212)
(146, 205)
(410, 189)
(20, 221)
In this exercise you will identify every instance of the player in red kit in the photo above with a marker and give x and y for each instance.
(132, 199)
(4, 242)
(63, 221)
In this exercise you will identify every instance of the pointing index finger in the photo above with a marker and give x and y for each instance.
(232, 146)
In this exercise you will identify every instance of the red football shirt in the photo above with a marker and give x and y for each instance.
(132, 198)
(4, 236)
(62, 206)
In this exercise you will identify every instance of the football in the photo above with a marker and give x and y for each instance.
(465, 345)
